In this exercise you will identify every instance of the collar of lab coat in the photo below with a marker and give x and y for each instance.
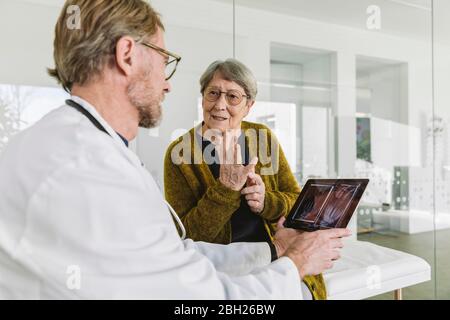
(115, 137)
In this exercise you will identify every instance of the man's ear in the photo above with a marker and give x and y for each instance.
(125, 54)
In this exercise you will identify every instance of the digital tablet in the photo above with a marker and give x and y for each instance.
(326, 204)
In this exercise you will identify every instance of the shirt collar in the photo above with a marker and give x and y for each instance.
(90, 108)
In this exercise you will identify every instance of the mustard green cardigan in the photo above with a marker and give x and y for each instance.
(205, 206)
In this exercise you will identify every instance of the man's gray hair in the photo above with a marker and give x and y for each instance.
(231, 70)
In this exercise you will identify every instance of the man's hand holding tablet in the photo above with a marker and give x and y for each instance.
(311, 252)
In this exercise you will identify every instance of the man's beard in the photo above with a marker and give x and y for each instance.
(148, 103)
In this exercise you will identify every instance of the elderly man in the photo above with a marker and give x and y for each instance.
(79, 215)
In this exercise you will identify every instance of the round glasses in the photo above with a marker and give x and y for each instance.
(233, 97)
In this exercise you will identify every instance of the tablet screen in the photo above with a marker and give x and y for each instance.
(325, 204)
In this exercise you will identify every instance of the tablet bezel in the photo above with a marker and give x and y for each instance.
(343, 222)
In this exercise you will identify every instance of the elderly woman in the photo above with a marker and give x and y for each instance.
(223, 201)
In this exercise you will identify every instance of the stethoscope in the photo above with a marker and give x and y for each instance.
(98, 125)
(177, 219)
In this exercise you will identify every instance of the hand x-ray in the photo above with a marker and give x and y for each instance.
(327, 203)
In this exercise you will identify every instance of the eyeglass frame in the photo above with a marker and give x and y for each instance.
(225, 92)
(176, 57)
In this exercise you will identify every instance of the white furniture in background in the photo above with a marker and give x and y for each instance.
(366, 270)
(411, 221)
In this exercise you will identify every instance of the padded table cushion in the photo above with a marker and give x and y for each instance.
(366, 269)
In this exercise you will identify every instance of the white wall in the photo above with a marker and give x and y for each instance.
(26, 30)
(388, 92)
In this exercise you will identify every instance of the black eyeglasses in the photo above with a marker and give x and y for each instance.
(171, 67)
(233, 97)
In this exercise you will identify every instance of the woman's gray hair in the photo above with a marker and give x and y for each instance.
(231, 70)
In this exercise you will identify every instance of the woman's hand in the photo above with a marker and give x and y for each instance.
(255, 192)
(233, 174)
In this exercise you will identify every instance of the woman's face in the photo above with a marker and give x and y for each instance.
(221, 114)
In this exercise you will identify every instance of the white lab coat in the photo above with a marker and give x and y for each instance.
(80, 217)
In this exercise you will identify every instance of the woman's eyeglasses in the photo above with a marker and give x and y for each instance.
(233, 97)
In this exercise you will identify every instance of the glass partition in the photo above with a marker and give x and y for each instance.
(352, 80)
(441, 54)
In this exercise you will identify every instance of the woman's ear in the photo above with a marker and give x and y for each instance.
(250, 104)
(125, 54)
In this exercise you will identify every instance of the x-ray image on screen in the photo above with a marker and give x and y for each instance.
(326, 203)
(313, 202)
(336, 205)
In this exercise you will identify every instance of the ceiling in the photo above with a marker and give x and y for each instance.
(407, 18)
